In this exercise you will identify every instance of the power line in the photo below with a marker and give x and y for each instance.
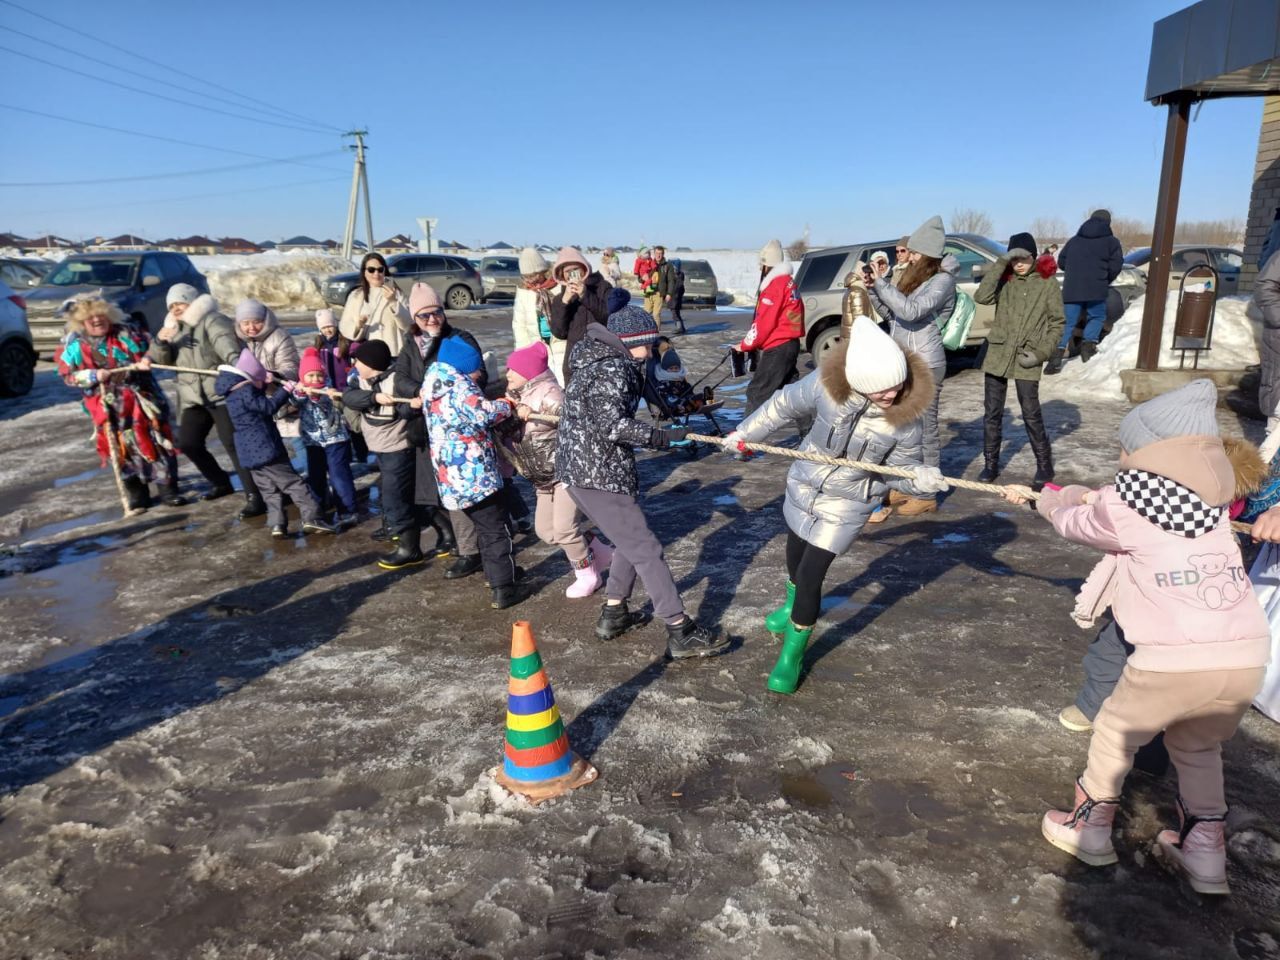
(155, 136)
(136, 73)
(197, 196)
(161, 96)
(165, 176)
(164, 66)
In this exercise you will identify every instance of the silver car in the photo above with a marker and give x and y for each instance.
(454, 279)
(17, 356)
(500, 277)
(820, 279)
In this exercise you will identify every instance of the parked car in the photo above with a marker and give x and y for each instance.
(20, 273)
(1228, 261)
(135, 282)
(17, 355)
(820, 279)
(454, 279)
(499, 277)
(700, 286)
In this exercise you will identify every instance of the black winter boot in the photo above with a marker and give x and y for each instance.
(445, 541)
(1088, 349)
(615, 620)
(172, 496)
(218, 491)
(463, 567)
(1055, 362)
(138, 493)
(507, 595)
(406, 553)
(253, 507)
(687, 639)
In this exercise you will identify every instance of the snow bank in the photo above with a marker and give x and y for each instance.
(1235, 347)
(283, 281)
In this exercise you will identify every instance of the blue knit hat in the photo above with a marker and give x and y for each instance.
(634, 326)
(460, 355)
(619, 297)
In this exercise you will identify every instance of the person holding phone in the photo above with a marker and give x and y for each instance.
(583, 298)
(375, 310)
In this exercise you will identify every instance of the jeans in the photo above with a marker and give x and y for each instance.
(332, 465)
(1095, 312)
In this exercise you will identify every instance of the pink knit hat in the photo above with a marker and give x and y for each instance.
(325, 318)
(529, 361)
(422, 297)
(310, 363)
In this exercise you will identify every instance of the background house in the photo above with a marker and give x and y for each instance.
(126, 241)
(239, 245)
(397, 244)
(196, 244)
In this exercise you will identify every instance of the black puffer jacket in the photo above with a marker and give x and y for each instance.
(410, 369)
(569, 321)
(598, 428)
(1091, 260)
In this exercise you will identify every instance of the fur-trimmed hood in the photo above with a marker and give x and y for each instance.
(785, 269)
(912, 400)
(200, 308)
(1250, 469)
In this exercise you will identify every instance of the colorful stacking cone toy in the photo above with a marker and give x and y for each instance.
(539, 764)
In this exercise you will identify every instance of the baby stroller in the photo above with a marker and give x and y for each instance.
(671, 399)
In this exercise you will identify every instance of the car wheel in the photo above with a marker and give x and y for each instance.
(459, 298)
(825, 342)
(17, 369)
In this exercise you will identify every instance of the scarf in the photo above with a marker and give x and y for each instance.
(1169, 505)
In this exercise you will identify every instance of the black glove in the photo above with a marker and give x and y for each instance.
(1027, 359)
(660, 438)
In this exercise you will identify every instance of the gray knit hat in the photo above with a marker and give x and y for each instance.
(181, 293)
(929, 238)
(1185, 412)
(634, 326)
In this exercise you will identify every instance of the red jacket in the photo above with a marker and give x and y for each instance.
(643, 267)
(779, 315)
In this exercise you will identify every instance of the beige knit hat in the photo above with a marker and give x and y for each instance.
(873, 362)
(532, 261)
(771, 254)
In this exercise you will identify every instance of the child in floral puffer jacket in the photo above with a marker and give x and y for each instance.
(459, 421)
(326, 436)
(1176, 584)
(533, 387)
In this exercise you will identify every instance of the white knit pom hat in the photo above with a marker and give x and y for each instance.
(532, 261)
(873, 362)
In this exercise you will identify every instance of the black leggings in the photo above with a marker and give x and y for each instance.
(807, 567)
(194, 424)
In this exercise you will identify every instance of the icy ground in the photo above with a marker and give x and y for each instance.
(217, 746)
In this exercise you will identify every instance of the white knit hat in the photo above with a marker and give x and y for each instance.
(771, 254)
(873, 362)
(531, 261)
(181, 293)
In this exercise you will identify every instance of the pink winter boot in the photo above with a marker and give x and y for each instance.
(586, 582)
(601, 555)
(1085, 831)
(1198, 851)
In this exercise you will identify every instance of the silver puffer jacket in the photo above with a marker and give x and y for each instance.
(828, 506)
(914, 317)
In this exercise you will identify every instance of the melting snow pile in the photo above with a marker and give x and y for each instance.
(1235, 347)
(283, 281)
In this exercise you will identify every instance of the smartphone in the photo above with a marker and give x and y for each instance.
(573, 274)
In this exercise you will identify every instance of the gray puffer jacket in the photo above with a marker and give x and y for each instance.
(274, 348)
(829, 506)
(205, 340)
(914, 316)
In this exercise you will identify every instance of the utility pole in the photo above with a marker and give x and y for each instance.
(359, 185)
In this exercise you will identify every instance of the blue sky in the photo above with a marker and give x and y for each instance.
(715, 123)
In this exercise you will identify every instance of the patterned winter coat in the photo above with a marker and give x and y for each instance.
(321, 421)
(258, 441)
(829, 506)
(459, 419)
(598, 429)
(534, 444)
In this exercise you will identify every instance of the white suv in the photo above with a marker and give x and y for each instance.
(17, 356)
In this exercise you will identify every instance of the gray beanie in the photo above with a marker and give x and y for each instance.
(1188, 411)
(181, 293)
(928, 238)
(251, 310)
(634, 326)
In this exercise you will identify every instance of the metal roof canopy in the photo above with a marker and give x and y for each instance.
(1210, 50)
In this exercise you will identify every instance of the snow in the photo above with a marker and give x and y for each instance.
(283, 281)
(1235, 347)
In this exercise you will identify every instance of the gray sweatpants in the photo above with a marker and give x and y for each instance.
(279, 478)
(636, 550)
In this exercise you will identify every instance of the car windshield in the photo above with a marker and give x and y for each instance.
(986, 243)
(94, 273)
(697, 269)
(1137, 258)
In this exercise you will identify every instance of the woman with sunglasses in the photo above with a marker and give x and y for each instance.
(375, 310)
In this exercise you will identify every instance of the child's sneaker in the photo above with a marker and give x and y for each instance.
(346, 520)
(318, 526)
(1073, 719)
(280, 531)
(1198, 851)
(687, 639)
(616, 619)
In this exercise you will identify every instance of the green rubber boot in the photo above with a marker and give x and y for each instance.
(776, 622)
(786, 672)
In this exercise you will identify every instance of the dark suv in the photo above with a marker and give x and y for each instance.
(454, 279)
(135, 282)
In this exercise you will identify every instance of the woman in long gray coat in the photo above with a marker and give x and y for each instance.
(867, 401)
(924, 294)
